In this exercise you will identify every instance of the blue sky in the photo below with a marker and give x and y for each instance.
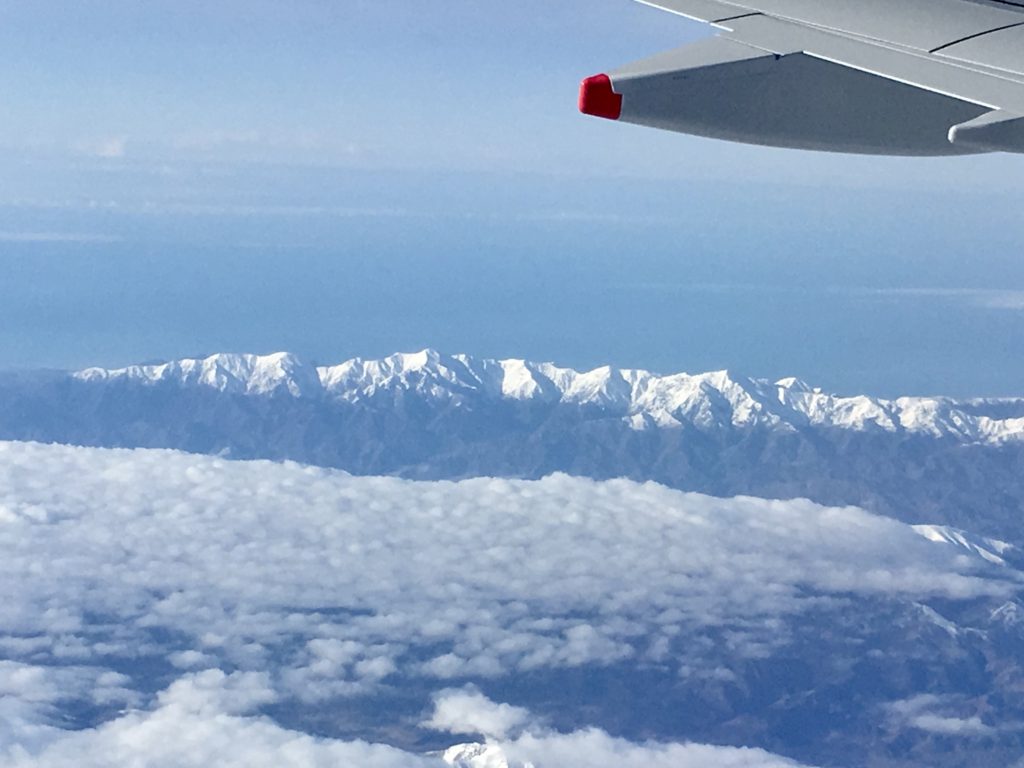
(356, 178)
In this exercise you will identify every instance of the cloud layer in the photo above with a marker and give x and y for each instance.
(234, 587)
(205, 719)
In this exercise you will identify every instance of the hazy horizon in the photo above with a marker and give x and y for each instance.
(360, 180)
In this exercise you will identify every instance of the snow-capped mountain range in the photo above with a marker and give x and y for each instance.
(829, 636)
(427, 415)
(643, 399)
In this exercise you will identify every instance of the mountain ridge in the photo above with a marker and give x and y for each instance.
(431, 416)
(641, 397)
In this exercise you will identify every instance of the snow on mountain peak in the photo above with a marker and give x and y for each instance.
(428, 372)
(605, 386)
(794, 384)
(708, 401)
(417, 361)
(521, 381)
(475, 756)
(230, 373)
(988, 549)
(1010, 614)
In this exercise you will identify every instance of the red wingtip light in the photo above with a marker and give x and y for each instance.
(598, 98)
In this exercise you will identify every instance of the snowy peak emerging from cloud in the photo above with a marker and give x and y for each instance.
(993, 550)
(708, 401)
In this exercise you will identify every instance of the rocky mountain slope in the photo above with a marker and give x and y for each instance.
(429, 415)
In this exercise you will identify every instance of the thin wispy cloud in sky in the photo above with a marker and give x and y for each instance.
(393, 81)
(980, 298)
(986, 298)
(111, 148)
(70, 238)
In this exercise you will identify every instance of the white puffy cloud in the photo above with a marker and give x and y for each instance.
(199, 721)
(31, 697)
(943, 715)
(204, 719)
(308, 584)
(213, 692)
(469, 711)
(516, 740)
(349, 578)
(593, 747)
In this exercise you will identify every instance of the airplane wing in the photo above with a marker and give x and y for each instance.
(891, 77)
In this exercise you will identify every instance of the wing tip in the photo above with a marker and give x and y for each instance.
(599, 99)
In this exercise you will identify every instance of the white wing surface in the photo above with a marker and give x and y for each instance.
(894, 77)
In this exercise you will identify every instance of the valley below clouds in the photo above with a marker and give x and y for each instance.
(188, 610)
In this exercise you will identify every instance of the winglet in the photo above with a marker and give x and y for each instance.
(995, 131)
(598, 98)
